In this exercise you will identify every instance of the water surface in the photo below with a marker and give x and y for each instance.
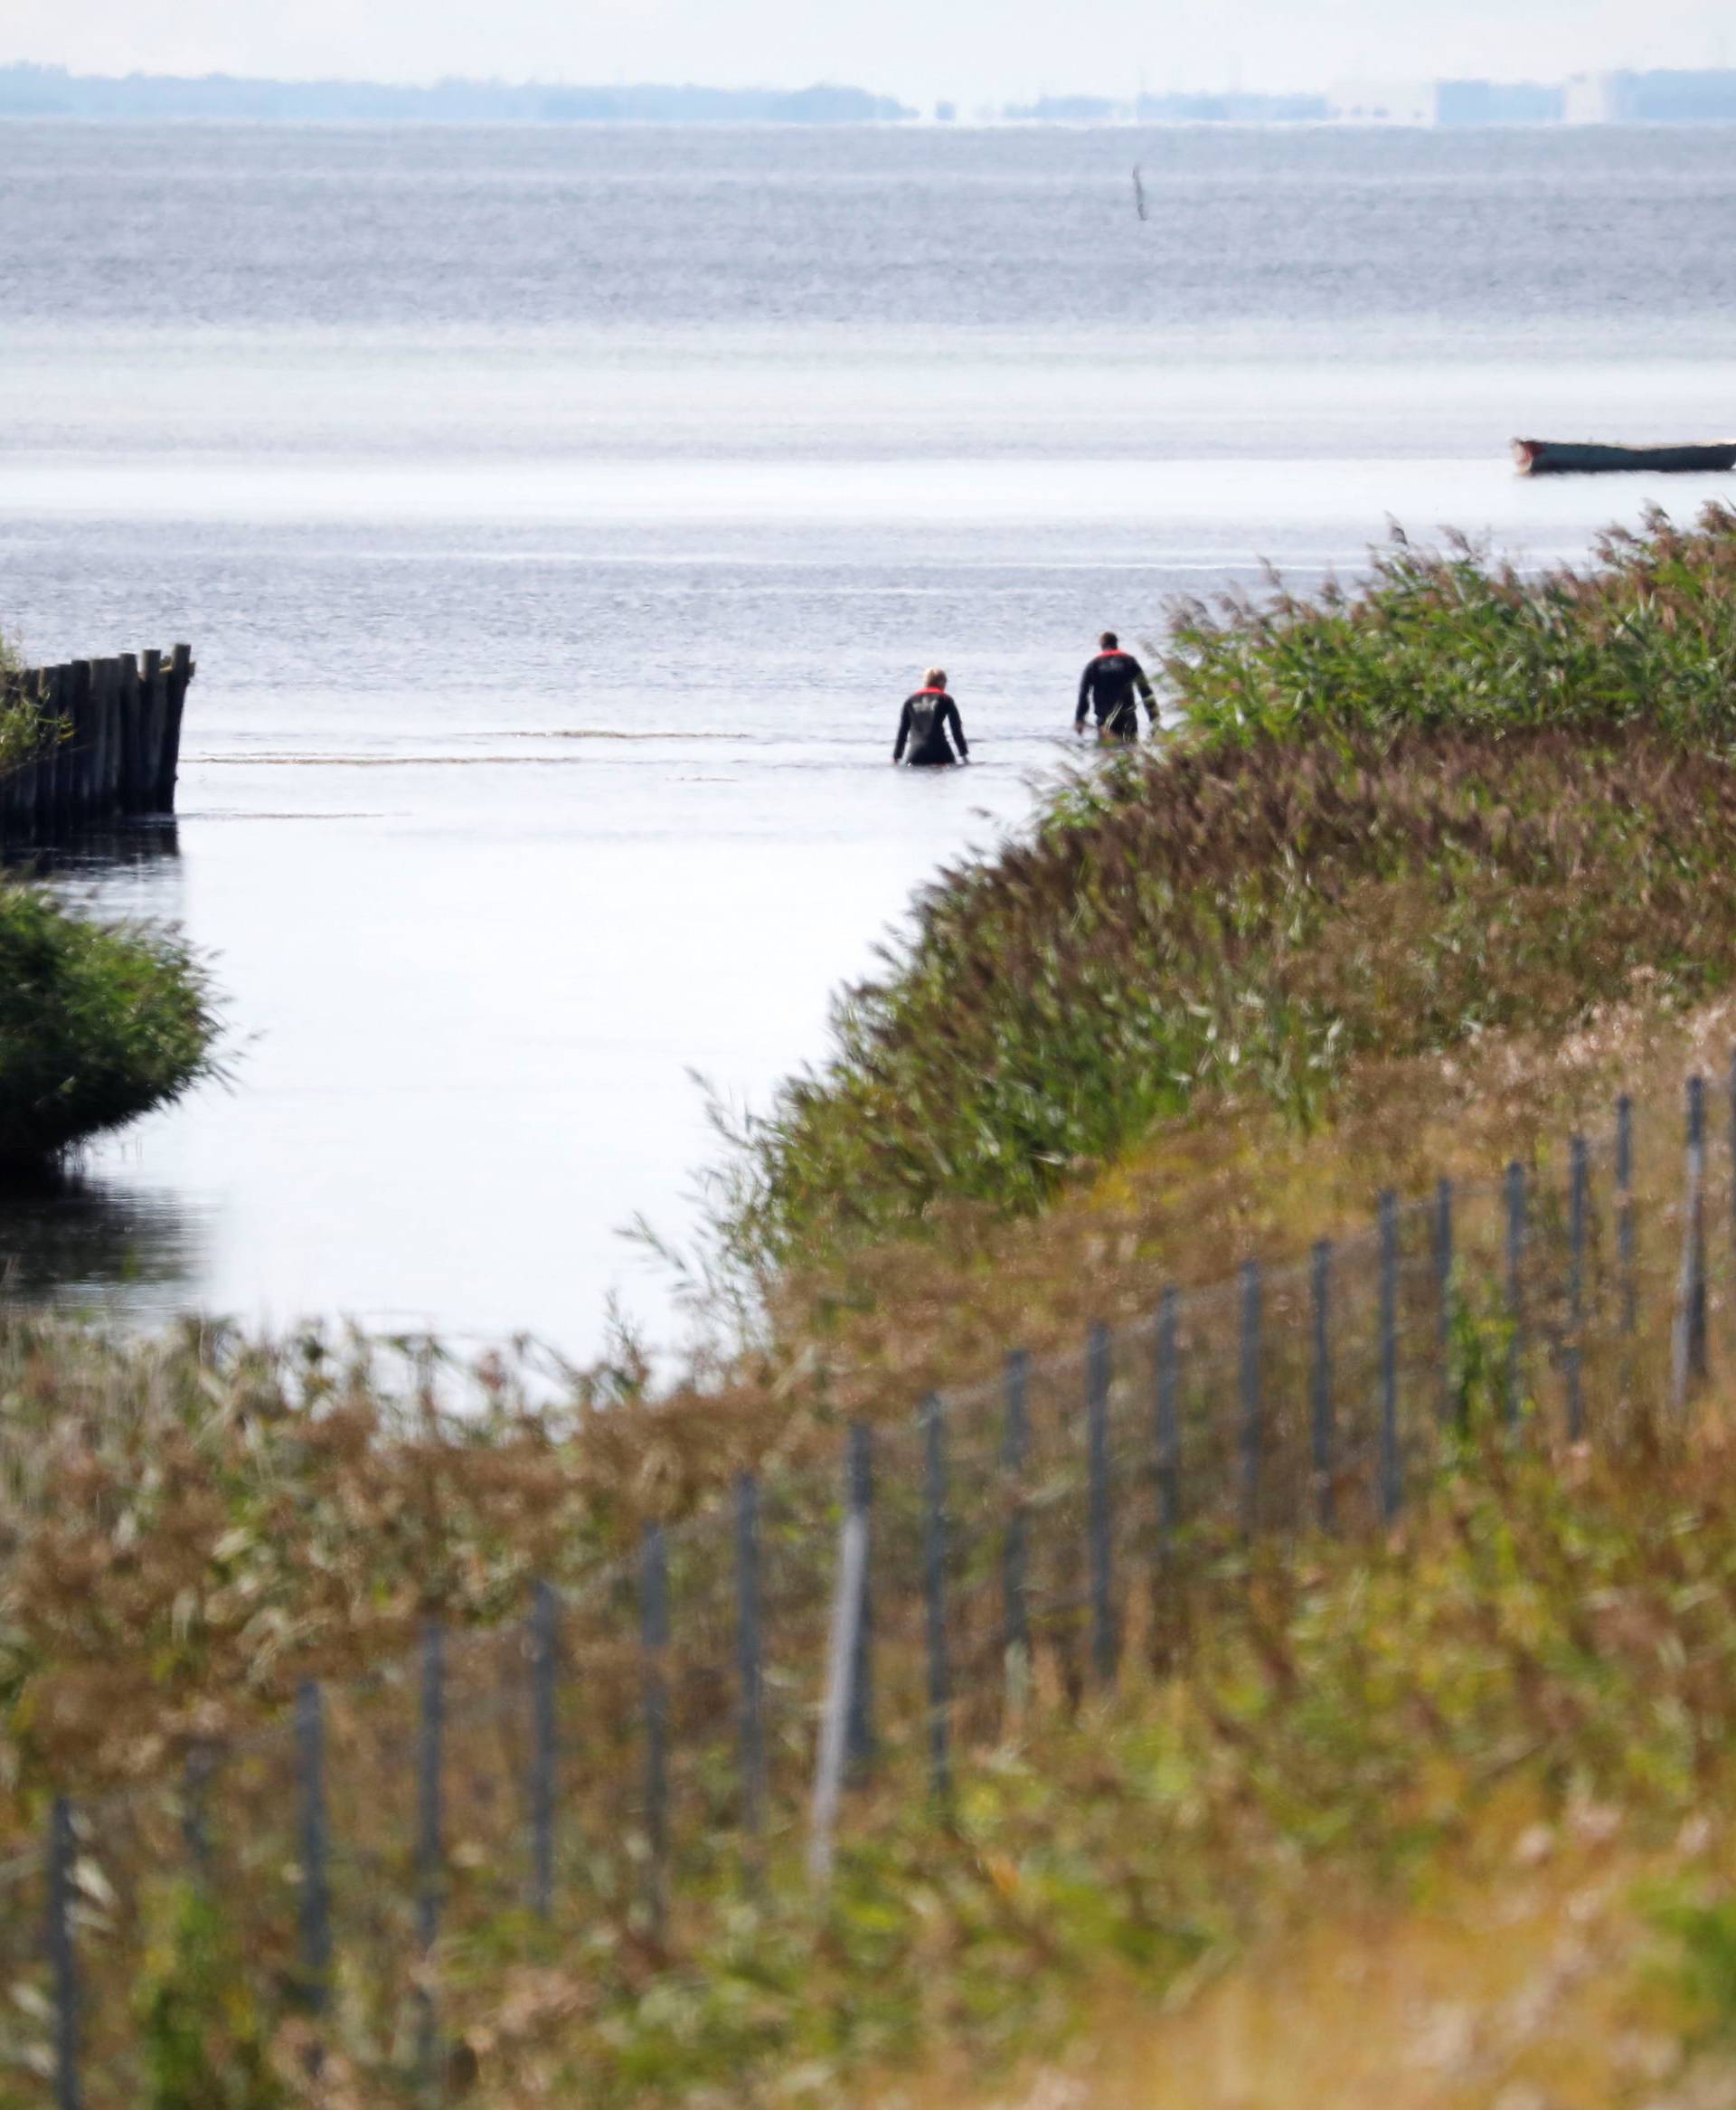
(559, 516)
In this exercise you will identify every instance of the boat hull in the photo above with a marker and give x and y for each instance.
(1563, 457)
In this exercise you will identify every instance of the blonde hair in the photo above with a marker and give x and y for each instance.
(936, 677)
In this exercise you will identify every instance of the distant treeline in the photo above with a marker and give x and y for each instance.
(50, 91)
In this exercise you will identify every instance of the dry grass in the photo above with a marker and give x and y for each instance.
(1530, 1978)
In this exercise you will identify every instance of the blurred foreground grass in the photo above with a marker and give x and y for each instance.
(1452, 1812)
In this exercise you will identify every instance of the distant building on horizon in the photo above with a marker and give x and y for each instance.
(1383, 102)
(1658, 98)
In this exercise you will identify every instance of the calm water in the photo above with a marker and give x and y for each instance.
(558, 518)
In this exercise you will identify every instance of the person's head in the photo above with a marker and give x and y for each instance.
(1109, 641)
(936, 677)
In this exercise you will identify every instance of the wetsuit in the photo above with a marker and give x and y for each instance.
(926, 718)
(1108, 684)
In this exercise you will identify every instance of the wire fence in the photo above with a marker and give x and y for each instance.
(598, 1781)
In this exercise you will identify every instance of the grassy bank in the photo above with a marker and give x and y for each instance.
(1429, 870)
(1452, 803)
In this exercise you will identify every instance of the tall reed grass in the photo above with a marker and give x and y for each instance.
(1454, 800)
(98, 1023)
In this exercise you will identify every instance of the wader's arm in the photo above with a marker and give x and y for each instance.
(1145, 690)
(903, 732)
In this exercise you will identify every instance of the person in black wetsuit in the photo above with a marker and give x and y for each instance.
(927, 717)
(1109, 685)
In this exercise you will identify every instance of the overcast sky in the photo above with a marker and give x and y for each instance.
(975, 51)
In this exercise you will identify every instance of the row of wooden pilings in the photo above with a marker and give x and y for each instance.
(111, 746)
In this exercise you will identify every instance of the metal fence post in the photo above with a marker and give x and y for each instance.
(1016, 1616)
(63, 1955)
(934, 1581)
(1629, 1299)
(654, 1641)
(1252, 1433)
(1733, 1141)
(545, 1645)
(430, 1846)
(1391, 1462)
(859, 1498)
(1689, 1343)
(1574, 1358)
(1168, 1430)
(1516, 1197)
(1100, 1520)
(750, 1648)
(1452, 1402)
(840, 1658)
(313, 1847)
(195, 1812)
(1320, 1380)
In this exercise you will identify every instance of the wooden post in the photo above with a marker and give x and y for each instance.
(126, 719)
(1016, 1615)
(154, 711)
(63, 1956)
(751, 1663)
(80, 747)
(1252, 1430)
(1099, 1522)
(934, 1592)
(545, 1743)
(1688, 1341)
(168, 764)
(52, 806)
(1320, 1388)
(654, 1639)
(1515, 1200)
(1392, 1452)
(1574, 1372)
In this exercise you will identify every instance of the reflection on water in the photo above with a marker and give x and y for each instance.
(70, 1240)
(105, 855)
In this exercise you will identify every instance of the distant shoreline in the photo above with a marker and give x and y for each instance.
(1654, 98)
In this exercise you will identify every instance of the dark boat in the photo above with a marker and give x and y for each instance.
(1583, 457)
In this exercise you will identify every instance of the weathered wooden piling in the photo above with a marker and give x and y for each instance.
(112, 749)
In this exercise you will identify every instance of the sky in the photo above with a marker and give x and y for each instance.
(976, 52)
